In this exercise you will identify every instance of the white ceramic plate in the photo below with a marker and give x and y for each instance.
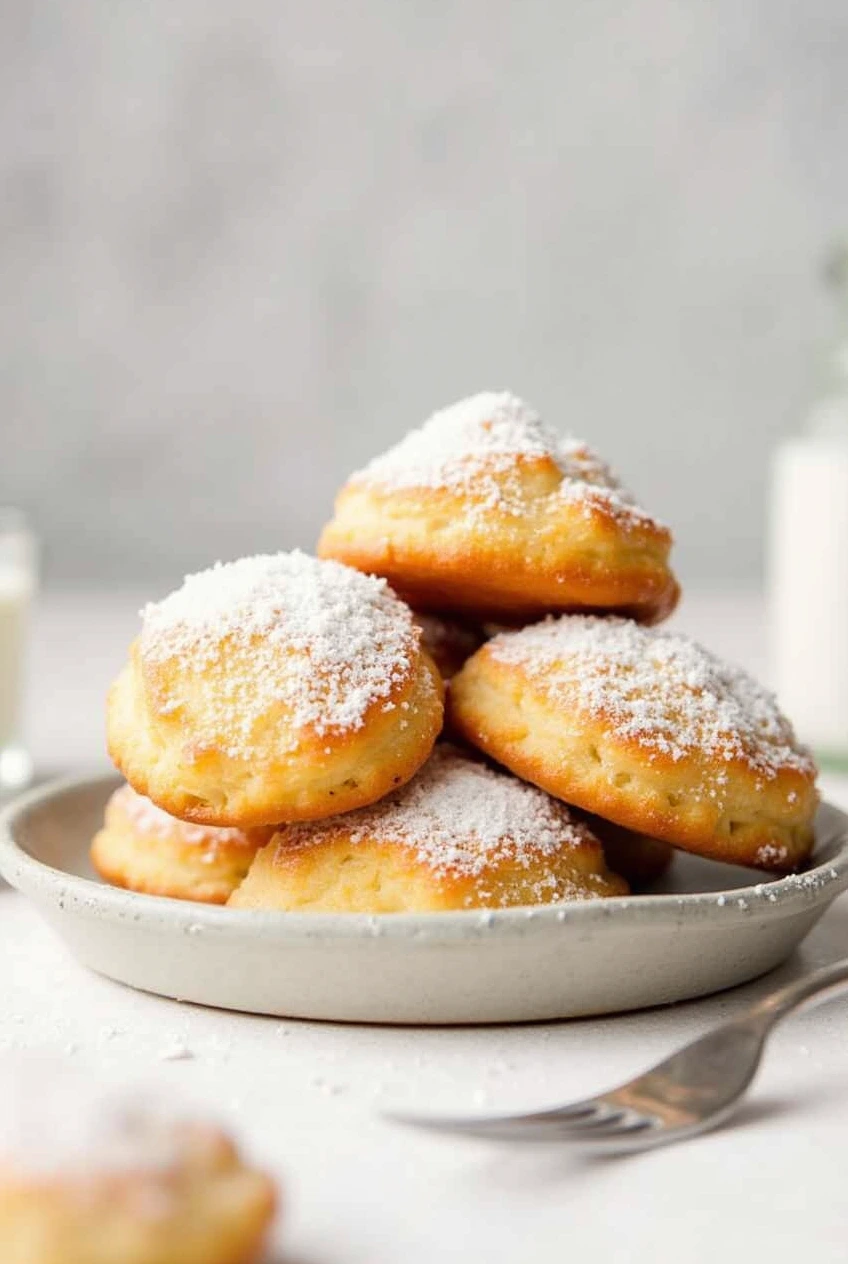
(712, 927)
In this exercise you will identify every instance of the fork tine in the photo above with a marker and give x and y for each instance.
(607, 1131)
(621, 1125)
(578, 1119)
(624, 1135)
(565, 1124)
(576, 1112)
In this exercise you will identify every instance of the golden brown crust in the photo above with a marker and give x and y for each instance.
(461, 836)
(274, 688)
(319, 775)
(142, 848)
(209, 1208)
(726, 808)
(557, 556)
(486, 511)
(373, 876)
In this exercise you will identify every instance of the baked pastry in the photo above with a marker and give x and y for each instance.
(133, 1188)
(646, 729)
(275, 688)
(142, 848)
(484, 511)
(448, 642)
(459, 836)
(637, 857)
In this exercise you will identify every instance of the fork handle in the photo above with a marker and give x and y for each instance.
(816, 986)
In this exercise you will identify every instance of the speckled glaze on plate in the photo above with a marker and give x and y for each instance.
(710, 927)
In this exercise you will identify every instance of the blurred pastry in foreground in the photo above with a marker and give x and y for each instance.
(274, 688)
(448, 642)
(119, 1185)
(646, 729)
(459, 836)
(637, 857)
(484, 511)
(142, 848)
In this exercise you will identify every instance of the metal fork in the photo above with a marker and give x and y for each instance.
(695, 1089)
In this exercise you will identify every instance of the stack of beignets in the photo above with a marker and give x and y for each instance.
(287, 691)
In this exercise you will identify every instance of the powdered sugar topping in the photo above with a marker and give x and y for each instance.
(321, 639)
(459, 817)
(659, 688)
(476, 449)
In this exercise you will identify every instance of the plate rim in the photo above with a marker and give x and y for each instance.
(34, 878)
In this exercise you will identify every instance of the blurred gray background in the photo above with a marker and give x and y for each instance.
(246, 245)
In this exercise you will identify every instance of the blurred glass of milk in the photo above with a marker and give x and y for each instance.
(808, 558)
(18, 577)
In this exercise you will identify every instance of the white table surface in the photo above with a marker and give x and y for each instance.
(303, 1097)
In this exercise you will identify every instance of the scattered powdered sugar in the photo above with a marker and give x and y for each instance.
(659, 688)
(177, 1052)
(458, 816)
(148, 819)
(323, 640)
(476, 448)
(773, 853)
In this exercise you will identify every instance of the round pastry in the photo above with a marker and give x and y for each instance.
(142, 848)
(637, 857)
(130, 1187)
(646, 729)
(448, 642)
(275, 688)
(485, 511)
(459, 836)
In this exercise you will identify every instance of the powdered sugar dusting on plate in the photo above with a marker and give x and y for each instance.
(476, 448)
(319, 638)
(151, 821)
(459, 817)
(659, 688)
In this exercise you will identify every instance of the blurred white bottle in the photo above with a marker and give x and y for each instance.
(808, 560)
(17, 586)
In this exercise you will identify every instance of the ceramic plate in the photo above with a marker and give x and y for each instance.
(710, 927)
